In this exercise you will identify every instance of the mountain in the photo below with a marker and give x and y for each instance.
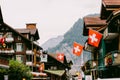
(51, 43)
(65, 44)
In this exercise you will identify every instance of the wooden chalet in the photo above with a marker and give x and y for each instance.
(108, 23)
(20, 44)
(55, 69)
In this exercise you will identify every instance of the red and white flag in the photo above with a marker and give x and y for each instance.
(77, 49)
(2, 40)
(60, 56)
(94, 38)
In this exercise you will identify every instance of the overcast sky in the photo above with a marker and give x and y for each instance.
(53, 17)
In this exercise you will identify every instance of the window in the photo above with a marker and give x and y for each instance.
(19, 58)
(1, 35)
(7, 28)
(9, 46)
(19, 47)
(19, 38)
(43, 58)
(2, 29)
(53, 67)
(32, 38)
(29, 57)
(27, 36)
(9, 34)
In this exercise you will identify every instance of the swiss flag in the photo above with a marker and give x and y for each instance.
(77, 49)
(2, 40)
(94, 38)
(60, 56)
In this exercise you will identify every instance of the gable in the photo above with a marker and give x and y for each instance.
(6, 28)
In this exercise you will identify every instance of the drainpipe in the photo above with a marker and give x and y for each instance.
(101, 64)
(102, 53)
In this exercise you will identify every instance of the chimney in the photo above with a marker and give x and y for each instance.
(31, 26)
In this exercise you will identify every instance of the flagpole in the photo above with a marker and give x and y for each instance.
(70, 54)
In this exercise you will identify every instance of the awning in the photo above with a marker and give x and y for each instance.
(41, 78)
(38, 74)
(56, 72)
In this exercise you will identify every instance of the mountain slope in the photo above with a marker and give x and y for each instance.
(65, 45)
(51, 43)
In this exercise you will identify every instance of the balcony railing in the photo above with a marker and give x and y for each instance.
(7, 50)
(4, 61)
(29, 63)
(30, 52)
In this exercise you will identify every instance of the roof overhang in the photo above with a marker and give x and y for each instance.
(93, 22)
(55, 72)
(38, 74)
(108, 6)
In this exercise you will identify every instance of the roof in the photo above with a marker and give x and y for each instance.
(108, 6)
(31, 31)
(64, 63)
(20, 34)
(110, 3)
(38, 73)
(54, 55)
(55, 72)
(94, 20)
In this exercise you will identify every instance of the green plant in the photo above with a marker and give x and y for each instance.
(18, 71)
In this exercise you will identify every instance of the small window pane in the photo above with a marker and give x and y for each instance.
(18, 46)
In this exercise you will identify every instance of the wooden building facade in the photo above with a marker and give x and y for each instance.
(21, 45)
(106, 56)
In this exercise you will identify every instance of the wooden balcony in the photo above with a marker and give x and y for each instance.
(7, 50)
(4, 61)
(115, 58)
(29, 52)
(29, 63)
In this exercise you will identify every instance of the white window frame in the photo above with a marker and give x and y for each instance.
(19, 38)
(32, 38)
(9, 34)
(19, 58)
(1, 34)
(19, 47)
